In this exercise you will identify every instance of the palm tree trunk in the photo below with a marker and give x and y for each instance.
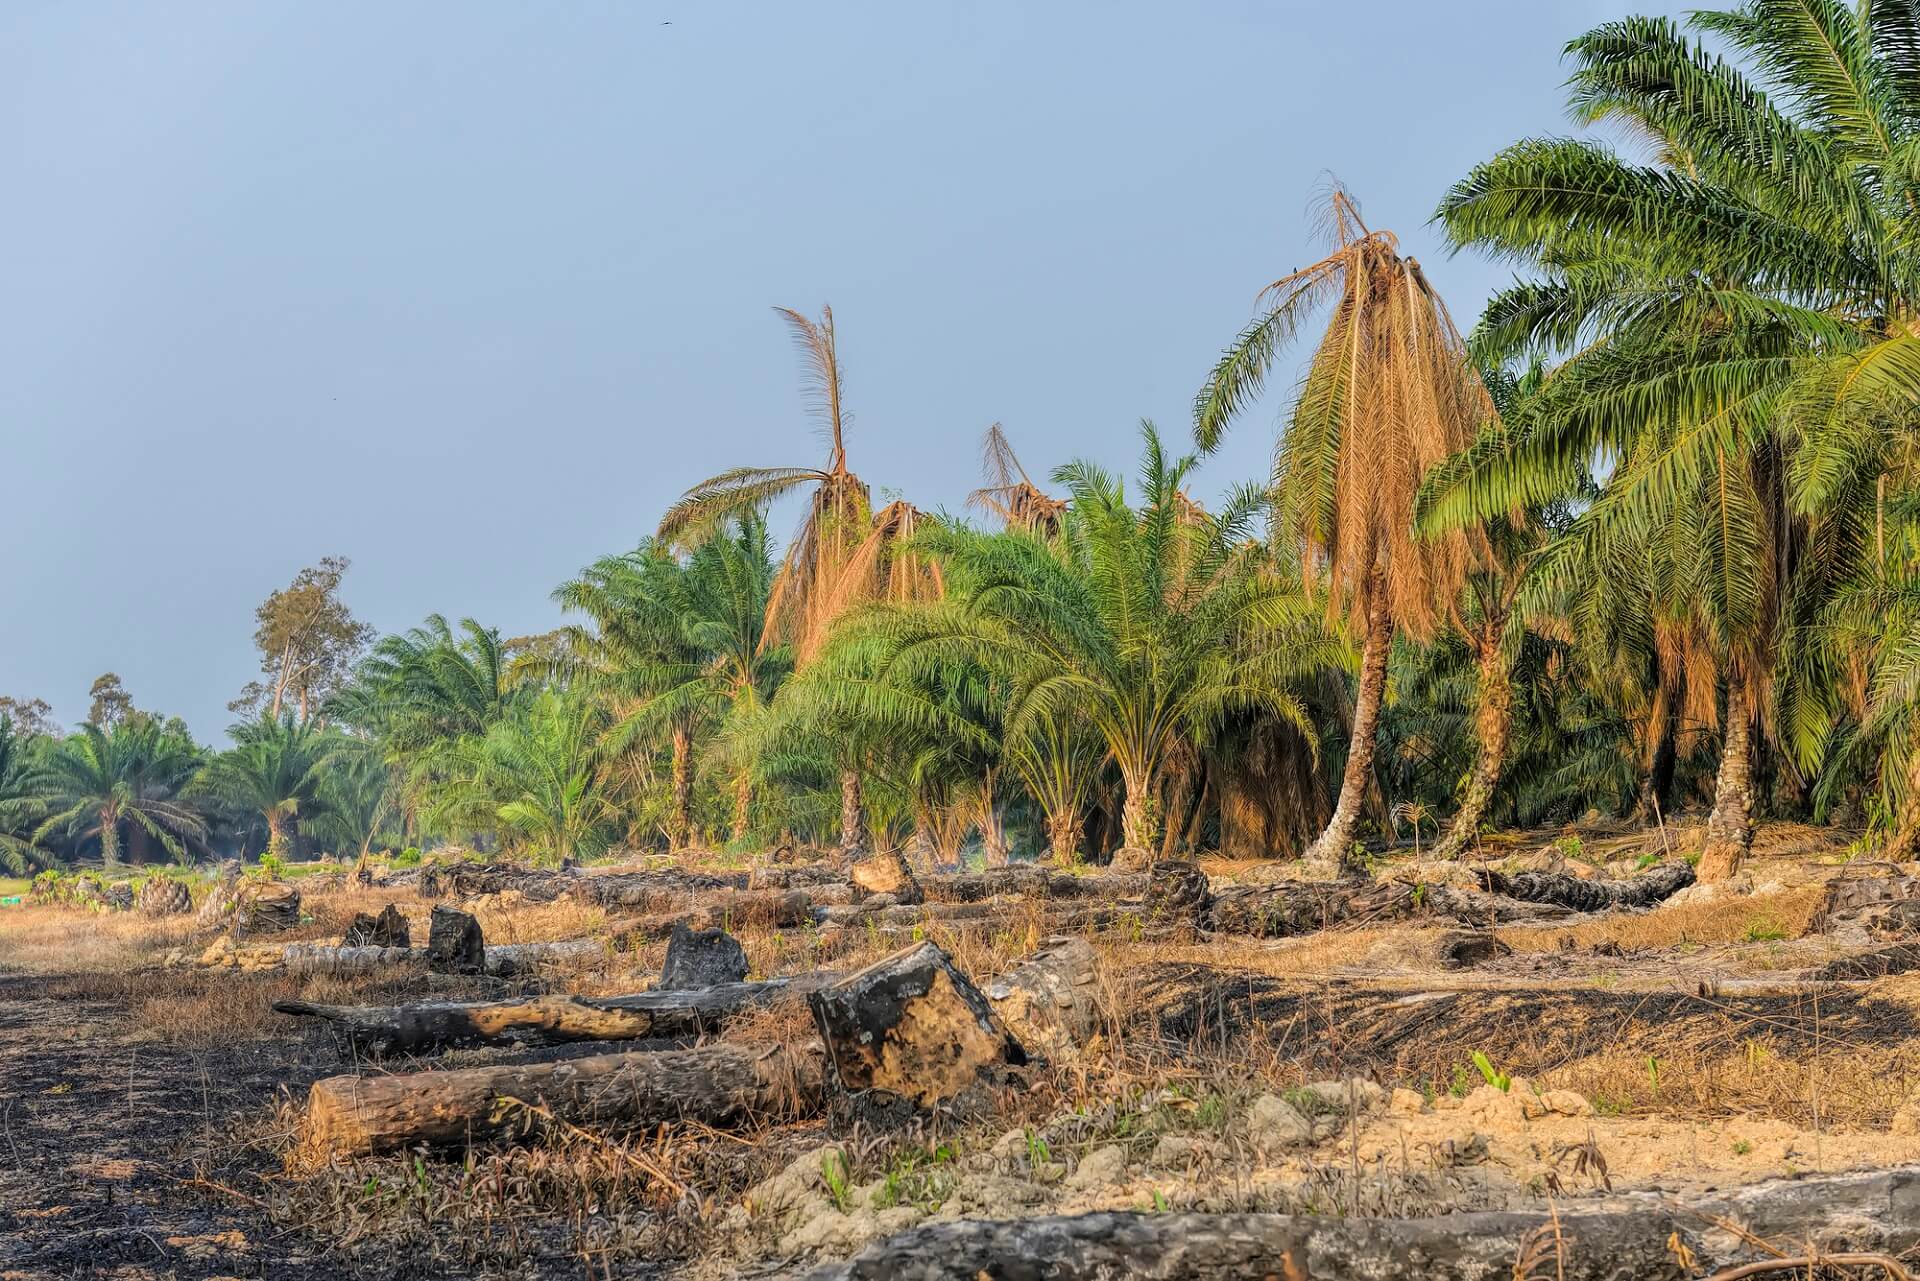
(993, 833)
(680, 822)
(1332, 845)
(1730, 826)
(1493, 720)
(1136, 828)
(276, 833)
(854, 840)
(1063, 835)
(742, 805)
(922, 852)
(109, 835)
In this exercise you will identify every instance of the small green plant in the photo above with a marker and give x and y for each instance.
(1605, 1106)
(408, 857)
(1211, 1113)
(1038, 1153)
(1645, 861)
(1159, 1202)
(1741, 1147)
(272, 866)
(1764, 929)
(1572, 847)
(1497, 1079)
(1461, 1082)
(1653, 1073)
(833, 1172)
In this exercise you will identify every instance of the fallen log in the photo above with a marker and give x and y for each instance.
(1877, 897)
(717, 1085)
(652, 890)
(730, 910)
(1288, 908)
(501, 962)
(1030, 881)
(550, 1020)
(1655, 885)
(1628, 1236)
(1051, 1000)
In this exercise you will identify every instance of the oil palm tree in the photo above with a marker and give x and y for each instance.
(1147, 624)
(276, 769)
(536, 777)
(357, 801)
(1386, 394)
(844, 556)
(19, 808)
(97, 782)
(676, 644)
(1735, 319)
(1010, 494)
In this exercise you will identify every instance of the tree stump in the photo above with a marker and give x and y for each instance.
(1051, 1000)
(218, 905)
(1655, 885)
(389, 929)
(912, 1026)
(265, 907)
(701, 958)
(117, 897)
(1879, 898)
(1132, 858)
(164, 896)
(885, 873)
(1177, 894)
(454, 943)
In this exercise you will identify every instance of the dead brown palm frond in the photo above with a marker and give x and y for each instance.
(1010, 493)
(821, 356)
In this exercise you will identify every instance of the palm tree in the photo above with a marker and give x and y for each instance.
(1010, 493)
(536, 775)
(275, 769)
(97, 781)
(842, 557)
(1735, 319)
(678, 644)
(1387, 394)
(357, 799)
(19, 808)
(1147, 624)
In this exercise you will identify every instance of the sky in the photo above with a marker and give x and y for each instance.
(468, 291)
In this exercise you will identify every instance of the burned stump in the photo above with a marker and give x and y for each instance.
(1177, 894)
(911, 1026)
(702, 958)
(454, 943)
(388, 929)
(1655, 885)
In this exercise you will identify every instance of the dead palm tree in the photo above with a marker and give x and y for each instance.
(1387, 394)
(843, 555)
(1010, 493)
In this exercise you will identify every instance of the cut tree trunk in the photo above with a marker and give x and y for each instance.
(1655, 885)
(1051, 1001)
(1306, 907)
(1492, 723)
(1330, 850)
(1033, 881)
(1625, 1237)
(911, 1025)
(885, 872)
(454, 943)
(551, 1020)
(389, 929)
(730, 910)
(1730, 826)
(716, 1085)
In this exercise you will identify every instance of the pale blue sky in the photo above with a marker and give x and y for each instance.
(469, 291)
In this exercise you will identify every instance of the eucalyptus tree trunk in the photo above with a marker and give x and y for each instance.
(854, 839)
(1332, 845)
(1492, 722)
(680, 822)
(1730, 826)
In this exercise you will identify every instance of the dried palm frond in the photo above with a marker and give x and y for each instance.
(1010, 493)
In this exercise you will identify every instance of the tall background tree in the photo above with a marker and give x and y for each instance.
(308, 640)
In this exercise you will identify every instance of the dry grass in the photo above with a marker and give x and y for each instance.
(1733, 919)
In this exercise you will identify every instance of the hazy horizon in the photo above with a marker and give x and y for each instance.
(470, 294)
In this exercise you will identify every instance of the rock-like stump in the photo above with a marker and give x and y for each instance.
(454, 943)
(1050, 1001)
(164, 896)
(885, 873)
(265, 907)
(388, 929)
(912, 1026)
(701, 958)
